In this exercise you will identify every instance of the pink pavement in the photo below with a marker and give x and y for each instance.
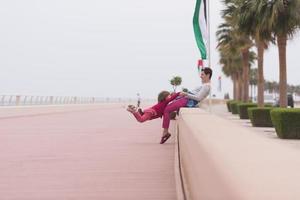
(91, 153)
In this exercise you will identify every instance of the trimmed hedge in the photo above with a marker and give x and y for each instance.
(233, 107)
(260, 117)
(228, 105)
(269, 105)
(286, 122)
(243, 109)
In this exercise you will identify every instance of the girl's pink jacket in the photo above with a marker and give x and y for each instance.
(160, 107)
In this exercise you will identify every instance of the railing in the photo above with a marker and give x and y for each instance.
(24, 100)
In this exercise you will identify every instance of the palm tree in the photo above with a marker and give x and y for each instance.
(232, 60)
(232, 67)
(253, 23)
(230, 57)
(297, 90)
(253, 80)
(284, 20)
(275, 87)
(242, 41)
(291, 89)
(264, 20)
(268, 87)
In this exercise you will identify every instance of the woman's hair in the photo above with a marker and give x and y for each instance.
(162, 96)
(207, 71)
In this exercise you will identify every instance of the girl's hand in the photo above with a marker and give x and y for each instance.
(182, 94)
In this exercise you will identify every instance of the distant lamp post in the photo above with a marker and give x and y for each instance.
(138, 100)
(220, 84)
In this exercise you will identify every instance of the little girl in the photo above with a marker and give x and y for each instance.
(155, 111)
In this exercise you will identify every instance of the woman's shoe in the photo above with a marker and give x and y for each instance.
(165, 138)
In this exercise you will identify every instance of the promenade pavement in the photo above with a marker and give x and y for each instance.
(264, 132)
(92, 152)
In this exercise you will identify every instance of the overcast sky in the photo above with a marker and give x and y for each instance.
(109, 48)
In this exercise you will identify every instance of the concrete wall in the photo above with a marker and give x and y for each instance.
(221, 160)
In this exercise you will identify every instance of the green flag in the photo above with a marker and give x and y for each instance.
(200, 27)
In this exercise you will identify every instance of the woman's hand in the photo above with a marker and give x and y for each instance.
(182, 94)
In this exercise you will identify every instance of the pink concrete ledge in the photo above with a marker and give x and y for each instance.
(220, 160)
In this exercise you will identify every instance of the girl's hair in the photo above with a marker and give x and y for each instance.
(162, 96)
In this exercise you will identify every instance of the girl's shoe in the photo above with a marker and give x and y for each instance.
(131, 108)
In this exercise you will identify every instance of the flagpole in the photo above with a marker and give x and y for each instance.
(201, 25)
(209, 50)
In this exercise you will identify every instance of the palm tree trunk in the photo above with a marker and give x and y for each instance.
(260, 74)
(245, 91)
(251, 92)
(281, 42)
(239, 88)
(234, 87)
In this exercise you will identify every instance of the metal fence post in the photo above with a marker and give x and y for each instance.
(3, 100)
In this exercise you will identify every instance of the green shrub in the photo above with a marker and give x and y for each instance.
(243, 109)
(228, 105)
(268, 105)
(233, 107)
(286, 122)
(260, 117)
